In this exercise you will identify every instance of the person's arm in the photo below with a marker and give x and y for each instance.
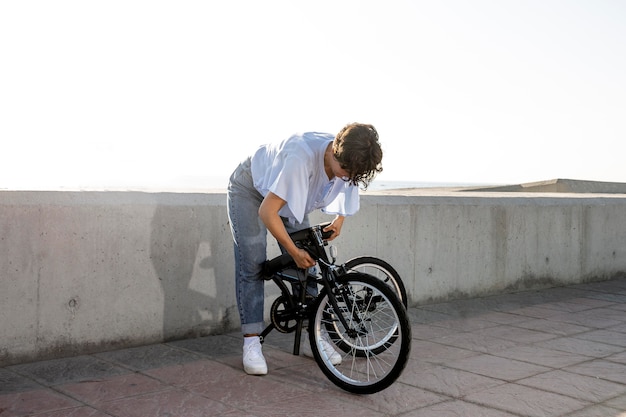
(268, 212)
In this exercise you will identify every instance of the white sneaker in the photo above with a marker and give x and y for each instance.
(327, 348)
(253, 360)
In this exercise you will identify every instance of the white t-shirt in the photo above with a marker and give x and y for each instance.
(294, 170)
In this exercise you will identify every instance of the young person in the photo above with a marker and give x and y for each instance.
(275, 189)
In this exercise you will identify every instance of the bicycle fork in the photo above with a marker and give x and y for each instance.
(345, 293)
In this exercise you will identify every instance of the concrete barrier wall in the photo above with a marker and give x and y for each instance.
(89, 271)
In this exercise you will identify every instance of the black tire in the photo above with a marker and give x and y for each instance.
(385, 273)
(379, 334)
(382, 270)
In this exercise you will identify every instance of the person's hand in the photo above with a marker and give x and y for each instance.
(303, 259)
(334, 227)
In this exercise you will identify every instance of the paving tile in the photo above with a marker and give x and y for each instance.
(496, 367)
(619, 307)
(515, 334)
(598, 318)
(475, 342)
(437, 353)
(427, 331)
(239, 413)
(503, 318)
(225, 384)
(212, 346)
(395, 400)
(575, 305)
(313, 405)
(307, 376)
(576, 386)
(556, 294)
(193, 372)
(597, 411)
(526, 401)
(458, 308)
(615, 298)
(602, 369)
(606, 286)
(465, 324)
(457, 408)
(541, 356)
(96, 392)
(148, 357)
(591, 302)
(447, 381)
(245, 391)
(604, 336)
(618, 357)
(34, 401)
(581, 347)
(619, 403)
(553, 327)
(537, 312)
(75, 412)
(165, 403)
(11, 382)
(619, 328)
(63, 371)
(508, 303)
(422, 315)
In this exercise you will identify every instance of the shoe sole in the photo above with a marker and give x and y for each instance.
(255, 371)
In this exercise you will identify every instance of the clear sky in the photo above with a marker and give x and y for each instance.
(143, 93)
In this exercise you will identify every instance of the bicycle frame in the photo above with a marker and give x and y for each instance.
(313, 240)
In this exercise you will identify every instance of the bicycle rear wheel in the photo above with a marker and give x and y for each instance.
(378, 334)
(381, 270)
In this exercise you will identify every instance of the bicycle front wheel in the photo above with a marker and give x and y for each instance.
(374, 326)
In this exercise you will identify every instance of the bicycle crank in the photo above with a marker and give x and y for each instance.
(283, 316)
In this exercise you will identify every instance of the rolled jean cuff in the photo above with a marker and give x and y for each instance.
(252, 328)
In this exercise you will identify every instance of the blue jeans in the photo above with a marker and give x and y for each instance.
(250, 244)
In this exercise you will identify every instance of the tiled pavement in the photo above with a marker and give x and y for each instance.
(554, 352)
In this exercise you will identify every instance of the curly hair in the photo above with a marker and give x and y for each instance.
(358, 151)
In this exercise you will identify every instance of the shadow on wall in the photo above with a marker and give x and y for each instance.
(183, 251)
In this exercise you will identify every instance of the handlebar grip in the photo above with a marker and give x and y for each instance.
(327, 235)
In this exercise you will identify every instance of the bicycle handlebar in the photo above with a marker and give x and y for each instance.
(304, 239)
(305, 234)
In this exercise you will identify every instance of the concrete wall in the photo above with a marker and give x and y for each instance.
(90, 271)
